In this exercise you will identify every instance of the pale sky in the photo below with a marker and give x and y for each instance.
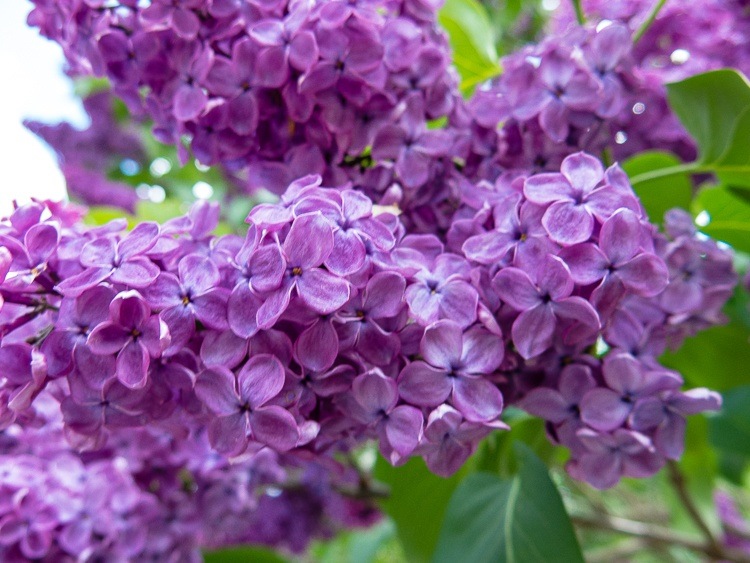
(33, 86)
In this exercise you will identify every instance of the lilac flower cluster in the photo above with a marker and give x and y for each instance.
(148, 495)
(681, 42)
(581, 89)
(327, 324)
(588, 296)
(279, 89)
(447, 273)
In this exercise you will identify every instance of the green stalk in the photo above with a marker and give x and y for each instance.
(580, 16)
(649, 20)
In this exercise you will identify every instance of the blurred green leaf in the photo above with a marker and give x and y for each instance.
(472, 41)
(715, 109)
(730, 429)
(377, 544)
(243, 555)
(729, 216)
(417, 504)
(709, 105)
(102, 214)
(659, 195)
(159, 212)
(521, 519)
(497, 453)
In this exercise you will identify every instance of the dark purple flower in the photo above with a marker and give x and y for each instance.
(544, 305)
(195, 294)
(628, 381)
(122, 262)
(576, 197)
(399, 427)
(455, 364)
(134, 334)
(306, 247)
(242, 409)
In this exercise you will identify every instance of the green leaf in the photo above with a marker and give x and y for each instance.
(660, 195)
(710, 358)
(243, 555)
(102, 214)
(521, 519)
(709, 106)
(159, 212)
(715, 109)
(728, 214)
(417, 504)
(730, 429)
(472, 41)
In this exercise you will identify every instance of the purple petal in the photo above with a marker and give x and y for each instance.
(309, 242)
(375, 392)
(318, 345)
(568, 223)
(620, 236)
(132, 365)
(228, 434)
(384, 295)
(533, 331)
(139, 240)
(198, 274)
(548, 188)
(260, 379)
(422, 385)
(322, 291)
(646, 275)
(514, 286)
(547, 404)
(482, 352)
(223, 349)
(215, 388)
(137, 272)
(583, 171)
(604, 410)
(108, 338)
(211, 308)
(242, 311)
(587, 263)
(458, 301)
(403, 429)
(348, 254)
(477, 399)
(442, 345)
(274, 427)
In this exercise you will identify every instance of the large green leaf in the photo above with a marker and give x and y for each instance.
(711, 358)
(709, 106)
(730, 430)
(661, 194)
(728, 216)
(715, 109)
(472, 41)
(417, 504)
(521, 519)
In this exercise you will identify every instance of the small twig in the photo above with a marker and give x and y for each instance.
(649, 20)
(578, 8)
(677, 479)
(623, 550)
(659, 535)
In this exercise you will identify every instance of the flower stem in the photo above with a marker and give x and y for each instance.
(578, 8)
(677, 479)
(649, 20)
